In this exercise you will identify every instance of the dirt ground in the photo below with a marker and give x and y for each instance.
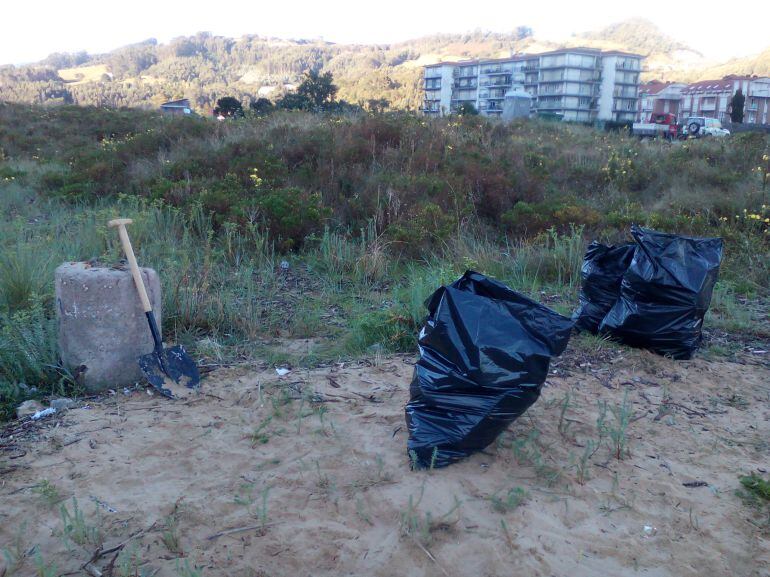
(307, 475)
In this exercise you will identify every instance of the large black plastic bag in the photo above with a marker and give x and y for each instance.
(484, 355)
(602, 272)
(665, 293)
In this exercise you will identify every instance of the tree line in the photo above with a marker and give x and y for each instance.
(316, 93)
(204, 67)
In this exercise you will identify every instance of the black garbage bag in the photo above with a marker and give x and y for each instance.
(484, 355)
(602, 272)
(665, 293)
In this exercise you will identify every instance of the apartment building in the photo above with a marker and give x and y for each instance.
(709, 98)
(578, 84)
(756, 109)
(659, 98)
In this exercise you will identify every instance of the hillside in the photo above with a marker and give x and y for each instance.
(758, 65)
(666, 58)
(204, 67)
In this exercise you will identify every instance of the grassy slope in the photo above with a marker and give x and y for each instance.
(358, 281)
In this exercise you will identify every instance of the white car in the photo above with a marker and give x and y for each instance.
(697, 126)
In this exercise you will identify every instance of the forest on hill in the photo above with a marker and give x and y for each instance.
(205, 67)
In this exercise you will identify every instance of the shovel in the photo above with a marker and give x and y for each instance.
(171, 371)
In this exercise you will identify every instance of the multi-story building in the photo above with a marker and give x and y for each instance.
(659, 98)
(580, 84)
(756, 108)
(709, 98)
(497, 78)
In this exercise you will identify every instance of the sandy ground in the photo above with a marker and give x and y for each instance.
(306, 474)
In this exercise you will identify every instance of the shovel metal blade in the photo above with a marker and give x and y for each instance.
(172, 373)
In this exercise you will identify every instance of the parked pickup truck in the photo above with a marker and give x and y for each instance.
(660, 125)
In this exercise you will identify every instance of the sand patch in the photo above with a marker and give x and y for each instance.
(306, 474)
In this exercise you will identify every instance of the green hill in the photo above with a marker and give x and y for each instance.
(204, 67)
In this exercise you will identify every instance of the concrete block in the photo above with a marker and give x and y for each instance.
(102, 327)
(63, 404)
(26, 409)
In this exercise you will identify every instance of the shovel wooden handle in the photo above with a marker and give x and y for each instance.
(121, 223)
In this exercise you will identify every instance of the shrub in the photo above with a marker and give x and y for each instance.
(29, 364)
(291, 214)
(22, 276)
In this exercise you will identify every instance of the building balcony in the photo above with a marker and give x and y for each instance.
(430, 88)
(567, 93)
(591, 83)
(570, 66)
(458, 86)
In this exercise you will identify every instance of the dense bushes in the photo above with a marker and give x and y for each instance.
(420, 181)
(372, 212)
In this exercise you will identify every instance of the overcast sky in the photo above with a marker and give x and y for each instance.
(29, 32)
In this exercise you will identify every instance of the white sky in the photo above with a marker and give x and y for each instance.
(29, 32)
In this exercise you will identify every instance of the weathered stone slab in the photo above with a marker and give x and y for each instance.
(102, 327)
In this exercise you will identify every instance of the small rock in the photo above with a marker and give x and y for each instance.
(44, 413)
(63, 404)
(28, 408)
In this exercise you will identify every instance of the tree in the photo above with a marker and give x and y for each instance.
(736, 106)
(262, 106)
(377, 105)
(467, 109)
(522, 32)
(228, 106)
(318, 89)
(316, 92)
(293, 101)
